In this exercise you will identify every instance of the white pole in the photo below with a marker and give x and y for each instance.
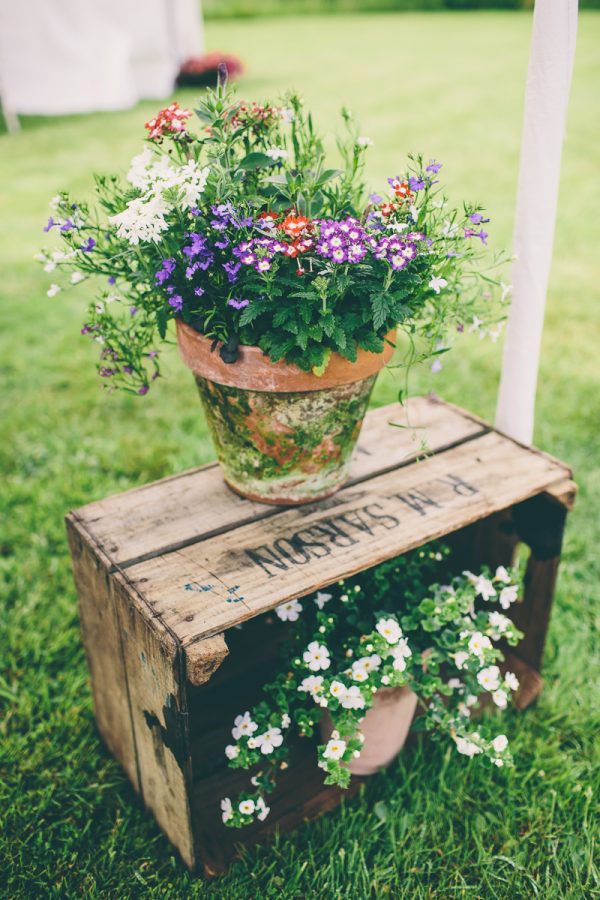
(546, 99)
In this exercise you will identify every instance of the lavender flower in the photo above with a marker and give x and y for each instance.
(232, 269)
(88, 246)
(165, 271)
(416, 184)
(176, 301)
(433, 167)
(237, 303)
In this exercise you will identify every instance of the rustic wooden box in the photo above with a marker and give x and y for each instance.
(166, 571)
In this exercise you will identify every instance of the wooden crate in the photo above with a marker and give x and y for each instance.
(166, 571)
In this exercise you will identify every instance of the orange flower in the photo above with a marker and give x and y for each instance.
(295, 225)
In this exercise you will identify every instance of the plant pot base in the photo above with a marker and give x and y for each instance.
(279, 501)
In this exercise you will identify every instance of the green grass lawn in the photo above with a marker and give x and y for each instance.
(451, 86)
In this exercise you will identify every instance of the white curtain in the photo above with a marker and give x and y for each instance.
(72, 56)
(546, 99)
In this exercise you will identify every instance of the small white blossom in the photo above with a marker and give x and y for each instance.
(506, 291)
(337, 689)
(269, 740)
(76, 277)
(500, 699)
(484, 588)
(262, 809)
(508, 595)
(289, 612)
(53, 290)
(499, 622)
(478, 643)
(502, 575)
(489, 678)
(321, 599)
(277, 153)
(471, 699)
(285, 721)
(316, 656)
(231, 751)
(464, 710)
(50, 266)
(142, 220)
(414, 213)
(359, 674)
(511, 681)
(55, 202)
(353, 699)
(455, 684)
(227, 809)
(243, 726)
(499, 763)
(500, 743)
(363, 141)
(437, 284)
(246, 807)
(390, 630)
(460, 659)
(312, 684)
(400, 653)
(466, 747)
(334, 749)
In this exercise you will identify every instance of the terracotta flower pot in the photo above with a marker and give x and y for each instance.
(282, 435)
(385, 729)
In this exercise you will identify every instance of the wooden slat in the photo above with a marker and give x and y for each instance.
(177, 511)
(216, 583)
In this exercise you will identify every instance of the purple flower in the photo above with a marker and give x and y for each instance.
(51, 224)
(482, 235)
(397, 261)
(88, 246)
(477, 219)
(133, 310)
(339, 255)
(375, 198)
(356, 252)
(198, 291)
(263, 265)
(232, 269)
(416, 184)
(434, 167)
(165, 271)
(191, 270)
(105, 372)
(128, 370)
(143, 389)
(194, 211)
(67, 226)
(460, 327)
(223, 243)
(237, 303)
(176, 301)
(111, 279)
(153, 354)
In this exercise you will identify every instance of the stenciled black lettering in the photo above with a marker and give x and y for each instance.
(334, 533)
(313, 547)
(418, 501)
(459, 485)
(264, 557)
(354, 519)
(295, 548)
(386, 519)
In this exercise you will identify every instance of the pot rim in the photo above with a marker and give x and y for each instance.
(253, 371)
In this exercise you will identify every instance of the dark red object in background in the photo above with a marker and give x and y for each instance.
(203, 70)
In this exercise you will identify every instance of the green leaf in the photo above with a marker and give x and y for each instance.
(380, 305)
(256, 161)
(327, 175)
(319, 370)
(250, 313)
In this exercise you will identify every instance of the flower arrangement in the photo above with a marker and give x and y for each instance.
(347, 644)
(241, 228)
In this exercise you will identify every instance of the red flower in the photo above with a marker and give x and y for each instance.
(295, 225)
(171, 120)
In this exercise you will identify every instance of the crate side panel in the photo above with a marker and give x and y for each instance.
(208, 587)
(196, 504)
(101, 633)
(155, 674)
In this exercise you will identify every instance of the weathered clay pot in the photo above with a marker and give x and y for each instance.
(282, 435)
(385, 728)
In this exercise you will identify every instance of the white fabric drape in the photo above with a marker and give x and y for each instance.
(72, 56)
(546, 99)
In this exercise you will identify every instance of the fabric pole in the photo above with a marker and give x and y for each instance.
(546, 100)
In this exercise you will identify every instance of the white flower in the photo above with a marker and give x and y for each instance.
(500, 699)
(455, 684)
(55, 202)
(489, 678)
(277, 153)
(231, 751)
(321, 599)
(312, 685)
(316, 656)
(484, 588)
(287, 115)
(138, 174)
(478, 643)
(464, 710)
(337, 689)
(499, 622)
(289, 612)
(227, 809)
(414, 213)
(511, 681)
(364, 141)
(142, 220)
(53, 290)
(243, 726)
(466, 747)
(334, 749)
(499, 763)
(506, 291)
(262, 809)
(460, 659)
(285, 721)
(352, 698)
(500, 743)
(191, 181)
(246, 807)
(450, 228)
(76, 277)
(502, 575)
(359, 674)
(252, 743)
(471, 699)
(270, 739)
(436, 284)
(50, 266)
(508, 595)
(400, 654)
(390, 630)
(368, 663)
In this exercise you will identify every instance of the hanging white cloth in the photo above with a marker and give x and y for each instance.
(71, 56)
(546, 99)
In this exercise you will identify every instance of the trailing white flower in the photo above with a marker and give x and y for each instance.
(289, 612)
(508, 596)
(390, 630)
(467, 747)
(277, 153)
(269, 740)
(335, 749)
(511, 681)
(142, 220)
(316, 656)
(227, 809)
(243, 726)
(489, 678)
(322, 598)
